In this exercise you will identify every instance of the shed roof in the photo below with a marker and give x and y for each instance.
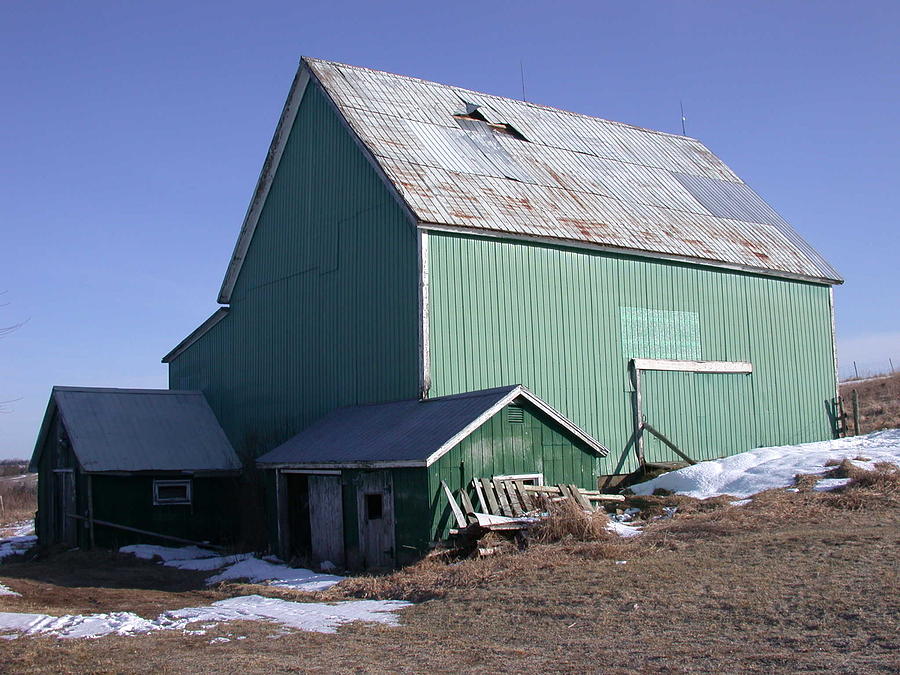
(405, 433)
(132, 430)
(464, 160)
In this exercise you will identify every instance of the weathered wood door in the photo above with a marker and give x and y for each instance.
(64, 506)
(375, 509)
(326, 519)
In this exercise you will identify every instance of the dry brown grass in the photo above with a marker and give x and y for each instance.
(18, 495)
(879, 402)
(792, 582)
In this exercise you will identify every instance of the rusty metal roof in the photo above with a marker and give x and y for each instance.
(493, 165)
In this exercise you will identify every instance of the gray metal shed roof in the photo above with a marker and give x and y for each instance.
(139, 430)
(532, 170)
(405, 433)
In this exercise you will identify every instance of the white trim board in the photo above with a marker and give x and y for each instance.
(519, 391)
(694, 366)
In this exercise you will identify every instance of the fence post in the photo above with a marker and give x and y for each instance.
(856, 412)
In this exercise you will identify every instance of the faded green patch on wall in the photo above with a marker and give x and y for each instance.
(660, 333)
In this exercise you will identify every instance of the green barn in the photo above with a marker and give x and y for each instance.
(362, 487)
(409, 241)
(118, 466)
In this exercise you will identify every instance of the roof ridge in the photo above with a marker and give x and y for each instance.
(125, 390)
(544, 106)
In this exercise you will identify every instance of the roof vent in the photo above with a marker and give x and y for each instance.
(515, 415)
(474, 111)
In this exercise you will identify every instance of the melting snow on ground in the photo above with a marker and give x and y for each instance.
(17, 538)
(309, 616)
(238, 566)
(751, 472)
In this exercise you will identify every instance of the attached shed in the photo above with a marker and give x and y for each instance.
(362, 486)
(117, 466)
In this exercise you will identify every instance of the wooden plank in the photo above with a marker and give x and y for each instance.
(579, 498)
(505, 509)
(548, 489)
(514, 502)
(468, 509)
(155, 535)
(524, 497)
(491, 498)
(744, 367)
(482, 503)
(457, 512)
(605, 498)
(669, 443)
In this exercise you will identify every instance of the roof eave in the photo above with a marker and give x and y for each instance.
(600, 248)
(196, 334)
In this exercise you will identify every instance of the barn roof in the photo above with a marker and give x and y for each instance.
(132, 430)
(467, 161)
(405, 433)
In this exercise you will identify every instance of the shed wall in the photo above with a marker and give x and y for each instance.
(565, 323)
(501, 447)
(323, 313)
(128, 500)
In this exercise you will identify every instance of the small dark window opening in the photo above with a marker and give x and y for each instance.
(374, 506)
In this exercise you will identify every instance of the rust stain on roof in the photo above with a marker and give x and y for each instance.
(560, 175)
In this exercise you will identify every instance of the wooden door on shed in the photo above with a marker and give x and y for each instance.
(64, 507)
(326, 519)
(375, 509)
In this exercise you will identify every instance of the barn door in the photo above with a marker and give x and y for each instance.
(326, 519)
(375, 509)
(64, 507)
(706, 415)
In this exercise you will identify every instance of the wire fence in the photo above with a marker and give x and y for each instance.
(860, 370)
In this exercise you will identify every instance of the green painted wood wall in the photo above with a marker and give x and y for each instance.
(323, 313)
(501, 447)
(565, 322)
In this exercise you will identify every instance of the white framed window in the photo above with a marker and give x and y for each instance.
(171, 492)
(526, 478)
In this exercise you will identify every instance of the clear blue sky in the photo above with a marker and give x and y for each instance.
(131, 136)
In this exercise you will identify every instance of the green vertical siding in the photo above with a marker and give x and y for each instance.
(499, 447)
(324, 310)
(564, 322)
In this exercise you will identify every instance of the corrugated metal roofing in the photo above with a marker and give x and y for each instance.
(141, 430)
(560, 175)
(408, 431)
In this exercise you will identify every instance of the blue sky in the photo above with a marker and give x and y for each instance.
(132, 134)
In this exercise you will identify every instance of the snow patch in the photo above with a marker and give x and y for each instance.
(238, 566)
(622, 529)
(260, 571)
(167, 553)
(16, 545)
(315, 616)
(826, 484)
(6, 590)
(762, 469)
